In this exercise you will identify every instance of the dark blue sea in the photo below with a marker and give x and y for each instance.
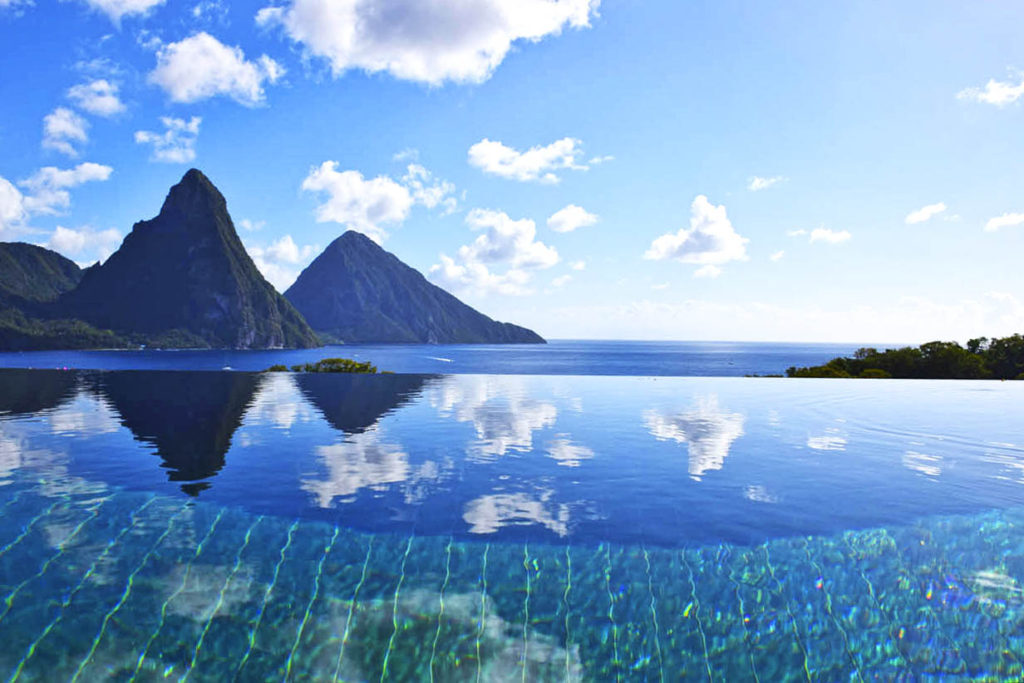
(560, 357)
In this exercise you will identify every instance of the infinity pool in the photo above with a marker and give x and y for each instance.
(219, 526)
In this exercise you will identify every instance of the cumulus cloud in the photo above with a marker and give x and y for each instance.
(250, 225)
(63, 129)
(777, 256)
(708, 271)
(829, 236)
(428, 190)
(281, 261)
(84, 244)
(97, 97)
(535, 164)
(117, 9)
(48, 187)
(504, 242)
(757, 183)
(999, 93)
(925, 213)
(710, 241)
(177, 144)
(358, 203)
(1007, 220)
(570, 218)
(428, 41)
(200, 67)
(578, 265)
(12, 205)
(561, 280)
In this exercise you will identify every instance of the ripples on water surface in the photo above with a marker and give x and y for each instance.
(175, 525)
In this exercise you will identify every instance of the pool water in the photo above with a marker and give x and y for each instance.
(230, 526)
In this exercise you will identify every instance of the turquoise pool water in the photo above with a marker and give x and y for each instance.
(223, 526)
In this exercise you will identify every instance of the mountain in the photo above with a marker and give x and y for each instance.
(357, 292)
(31, 280)
(184, 279)
(31, 274)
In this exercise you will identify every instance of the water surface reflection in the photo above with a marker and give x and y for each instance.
(669, 462)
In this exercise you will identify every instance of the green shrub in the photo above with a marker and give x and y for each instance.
(345, 365)
(875, 373)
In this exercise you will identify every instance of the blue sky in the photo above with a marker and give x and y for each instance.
(642, 170)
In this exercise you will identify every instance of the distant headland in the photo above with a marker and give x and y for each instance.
(982, 358)
(184, 280)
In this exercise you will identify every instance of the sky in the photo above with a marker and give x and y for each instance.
(604, 169)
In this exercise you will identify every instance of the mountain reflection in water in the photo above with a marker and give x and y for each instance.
(669, 461)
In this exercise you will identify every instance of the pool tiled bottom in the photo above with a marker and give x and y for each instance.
(98, 585)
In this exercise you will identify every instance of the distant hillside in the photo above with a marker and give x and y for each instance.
(30, 274)
(31, 279)
(356, 292)
(184, 279)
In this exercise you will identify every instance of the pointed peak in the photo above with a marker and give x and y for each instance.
(194, 190)
(351, 238)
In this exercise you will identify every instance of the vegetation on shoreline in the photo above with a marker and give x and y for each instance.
(982, 358)
(345, 365)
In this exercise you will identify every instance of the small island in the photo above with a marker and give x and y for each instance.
(343, 365)
(982, 358)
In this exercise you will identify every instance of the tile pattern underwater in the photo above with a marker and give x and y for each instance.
(488, 529)
(118, 585)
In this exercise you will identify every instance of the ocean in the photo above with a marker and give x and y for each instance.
(559, 357)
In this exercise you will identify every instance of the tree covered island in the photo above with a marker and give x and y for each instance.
(982, 358)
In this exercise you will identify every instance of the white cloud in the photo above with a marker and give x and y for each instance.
(708, 271)
(63, 129)
(428, 190)
(476, 278)
(116, 9)
(710, 241)
(796, 233)
(12, 205)
(707, 430)
(597, 161)
(757, 183)
(561, 280)
(570, 218)
(429, 41)
(200, 67)
(48, 187)
(660, 287)
(177, 144)
(251, 226)
(357, 203)
(506, 242)
(282, 260)
(535, 164)
(777, 256)
(97, 97)
(999, 93)
(84, 243)
(829, 236)
(924, 213)
(1007, 220)
(407, 154)
(578, 265)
